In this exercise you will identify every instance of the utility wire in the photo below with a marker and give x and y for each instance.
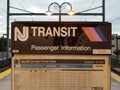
(115, 19)
(78, 12)
(90, 9)
(20, 9)
(92, 3)
(26, 4)
(20, 4)
(112, 5)
(23, 7)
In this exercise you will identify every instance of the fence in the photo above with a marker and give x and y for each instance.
(4, 63)
(115, 65)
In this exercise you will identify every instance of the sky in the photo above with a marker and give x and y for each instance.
(112, 9)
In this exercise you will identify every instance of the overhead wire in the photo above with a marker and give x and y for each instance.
(80, 12)
(89, 8)
(24, 8)
(111, 8)
(112, 5)
(20, 5)
(20, 9)
(92, 3)
(115, 19)
(26, 4)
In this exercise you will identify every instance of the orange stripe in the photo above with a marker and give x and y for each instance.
(88, 33)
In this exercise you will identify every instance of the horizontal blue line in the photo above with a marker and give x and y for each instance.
(56, 66)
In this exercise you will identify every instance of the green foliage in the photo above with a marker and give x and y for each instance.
(3, 44)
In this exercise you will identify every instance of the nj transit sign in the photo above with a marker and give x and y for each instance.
(61, 37)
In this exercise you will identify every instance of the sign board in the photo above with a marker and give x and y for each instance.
(61, 37)
(65, 72)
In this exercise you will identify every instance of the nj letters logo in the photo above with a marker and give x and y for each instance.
(21, 36)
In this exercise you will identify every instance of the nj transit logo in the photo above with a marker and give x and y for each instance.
(94, 34)
(21, 36)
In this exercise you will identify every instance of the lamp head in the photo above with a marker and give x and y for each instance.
(48, 12)
(71, 12)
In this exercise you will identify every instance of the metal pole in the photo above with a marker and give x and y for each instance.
(59, 13)
(43, 14)
(103, 10)
(3, 48)
(117, 45)
(8, 11)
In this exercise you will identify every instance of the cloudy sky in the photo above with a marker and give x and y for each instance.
(41, 6)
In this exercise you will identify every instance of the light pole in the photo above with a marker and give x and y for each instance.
(8, 22)
(3, 46)
(71, 12)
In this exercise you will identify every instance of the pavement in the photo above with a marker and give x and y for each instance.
(115, 85)
(5, 81)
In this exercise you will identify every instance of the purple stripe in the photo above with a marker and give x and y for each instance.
(101, 34)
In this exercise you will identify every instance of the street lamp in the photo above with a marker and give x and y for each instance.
(70, 12)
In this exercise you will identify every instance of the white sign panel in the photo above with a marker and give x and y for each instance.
(69, 72)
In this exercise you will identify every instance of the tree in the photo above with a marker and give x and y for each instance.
(3, 44)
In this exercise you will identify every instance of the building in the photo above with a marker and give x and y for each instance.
(115, 42)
